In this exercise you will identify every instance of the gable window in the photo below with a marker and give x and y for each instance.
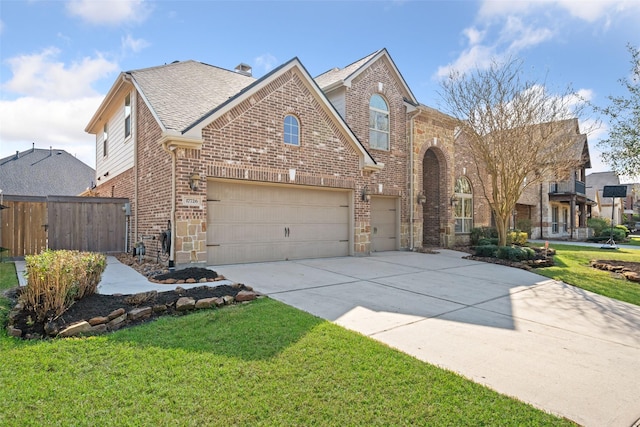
(291, 130)
(105, 140)
(463, 205)
(127, 116)
(378, 123)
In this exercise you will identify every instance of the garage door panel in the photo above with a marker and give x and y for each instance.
(251, 223)
(384, 223)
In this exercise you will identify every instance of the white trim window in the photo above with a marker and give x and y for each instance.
(463, 205)
(378, 123)
(105, 140)
(127, 116)
(555, 216)
(291, 130)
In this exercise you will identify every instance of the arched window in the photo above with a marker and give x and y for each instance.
(463, 205)
(291, 130)
(378, 123)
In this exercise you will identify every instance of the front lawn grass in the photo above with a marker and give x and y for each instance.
(573, 267)
(262, 363)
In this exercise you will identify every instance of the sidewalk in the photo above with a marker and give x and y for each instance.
(119, 278)
(576, 243)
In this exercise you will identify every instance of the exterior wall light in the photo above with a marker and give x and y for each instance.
(421, 199)
(194, 181)
(454, 201)
(366, 196)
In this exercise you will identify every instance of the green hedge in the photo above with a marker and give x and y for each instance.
(517, 237)
(486, 250)
(515, 253)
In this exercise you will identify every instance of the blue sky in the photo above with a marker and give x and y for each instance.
(59, 58)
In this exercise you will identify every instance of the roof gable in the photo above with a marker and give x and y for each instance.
(294, 66)
(344, 77)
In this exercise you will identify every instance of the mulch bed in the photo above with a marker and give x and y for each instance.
(101, 305)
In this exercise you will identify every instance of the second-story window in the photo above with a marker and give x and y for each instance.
(105, 140)
(378, 123)
(291, 130)
(127, 116)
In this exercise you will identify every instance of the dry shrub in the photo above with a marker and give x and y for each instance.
(55, 279)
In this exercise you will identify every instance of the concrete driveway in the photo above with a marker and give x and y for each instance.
(562, 349)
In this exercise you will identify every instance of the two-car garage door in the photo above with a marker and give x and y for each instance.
(252, 222)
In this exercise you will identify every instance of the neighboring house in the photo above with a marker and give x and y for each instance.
(559, 207)
(44, 172)
(282, 167)
(605, 207)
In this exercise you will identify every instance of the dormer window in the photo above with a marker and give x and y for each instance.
(127, 116)
(378, 123)
(291, 130)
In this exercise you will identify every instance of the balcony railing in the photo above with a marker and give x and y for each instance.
(567, 187)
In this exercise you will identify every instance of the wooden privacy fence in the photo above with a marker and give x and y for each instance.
(33, 224)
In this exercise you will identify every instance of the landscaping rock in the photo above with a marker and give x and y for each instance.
(116, 313)
(205, 303)
(118, 322)
(185, 304)
(14, 332)
(228, 299)
(243, 296)
(75, 329)
(632, 276)
(98, 320)
(51, 329)
(98, 329)
(159, 308)
(219, 302)
(139, 313)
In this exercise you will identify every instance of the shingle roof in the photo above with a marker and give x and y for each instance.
(42, 172)
(340, 74)
(183, 92)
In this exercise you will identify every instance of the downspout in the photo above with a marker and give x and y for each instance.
(411, 206)
(541, 233)
(411, 170)
(171, 150)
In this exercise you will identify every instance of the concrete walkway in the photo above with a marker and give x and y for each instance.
(560, 348)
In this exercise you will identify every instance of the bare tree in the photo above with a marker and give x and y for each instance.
(514, 131)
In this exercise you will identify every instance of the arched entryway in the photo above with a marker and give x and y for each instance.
(433, 185)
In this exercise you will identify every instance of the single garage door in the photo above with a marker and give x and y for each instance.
(253, 223)
(384, 224)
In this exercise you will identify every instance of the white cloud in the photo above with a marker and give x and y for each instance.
(113, 12)
(133, 45)
(48, 123)
(590, 11)
(474, 35)
(266, 62)
(520, 36)
(40, 75)
(477, 56)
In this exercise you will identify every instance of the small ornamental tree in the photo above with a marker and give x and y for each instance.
(516, 133)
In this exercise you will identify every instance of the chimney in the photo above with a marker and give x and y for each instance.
(243, 69)
(17, 154)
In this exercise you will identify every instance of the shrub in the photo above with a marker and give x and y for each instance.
(488, 241)
(597, 224)
(516, 237)
(55, 279)
(486, 250)
(478, 233)
(515, 253)
(618, 234)
(624, 228)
